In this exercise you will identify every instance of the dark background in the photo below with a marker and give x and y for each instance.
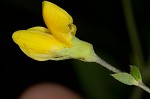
(99, 22)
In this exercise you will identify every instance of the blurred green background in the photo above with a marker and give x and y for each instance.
(99, 22)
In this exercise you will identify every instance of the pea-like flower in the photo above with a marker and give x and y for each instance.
(57, 41)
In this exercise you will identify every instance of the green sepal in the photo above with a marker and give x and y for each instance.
(125, 78)
(80, 50)
(134, 71)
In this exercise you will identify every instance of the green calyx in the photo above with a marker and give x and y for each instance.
(80, 50)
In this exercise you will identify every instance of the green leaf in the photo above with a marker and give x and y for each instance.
(134, 71)
(125, 78)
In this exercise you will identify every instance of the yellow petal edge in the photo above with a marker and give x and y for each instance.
(36, 43)
(59, 22)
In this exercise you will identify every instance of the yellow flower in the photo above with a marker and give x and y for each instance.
(37, 43)
(59, 22)
(57, 41)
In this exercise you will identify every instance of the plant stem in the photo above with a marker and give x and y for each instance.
(141, 85)
(115, 70)
(133, 33)
(106, 65)
(134, 39)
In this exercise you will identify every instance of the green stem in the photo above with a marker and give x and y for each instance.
(106, 65)
(141, 85)
(137, 92)
(115, 70)
(133, 33)
(135, 43)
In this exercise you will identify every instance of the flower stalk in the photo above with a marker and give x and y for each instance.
(107, 65)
